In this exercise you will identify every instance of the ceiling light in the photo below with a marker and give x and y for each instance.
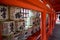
(41, 1)
(48, 5)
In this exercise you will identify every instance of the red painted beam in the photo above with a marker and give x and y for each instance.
(20, 4)
(39, 4)
(49, 2)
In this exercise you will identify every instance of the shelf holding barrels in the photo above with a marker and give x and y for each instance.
(18, 23)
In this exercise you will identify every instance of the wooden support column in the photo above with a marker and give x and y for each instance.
(53, 20)
(55, 17)
(43, 32)
(51, 23)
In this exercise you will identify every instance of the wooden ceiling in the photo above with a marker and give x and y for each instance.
(55, 4)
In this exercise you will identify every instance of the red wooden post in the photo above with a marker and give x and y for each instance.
(51, 23)
(44, 26)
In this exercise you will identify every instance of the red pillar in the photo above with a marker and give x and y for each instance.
(51, 23)
(43, 32)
